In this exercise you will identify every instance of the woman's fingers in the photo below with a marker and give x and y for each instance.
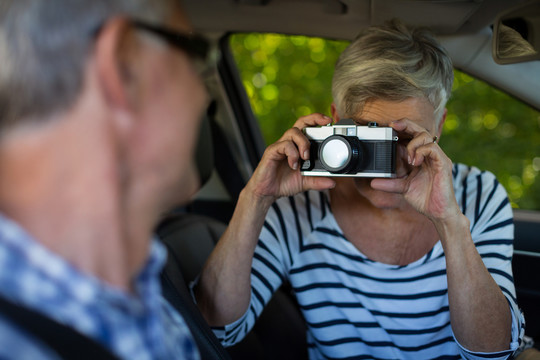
(278, 173)
(317, 183)
(297, 137)
(282, 150)
(434, 153)
(408, 127)
(294, 145)
(420, 138)
(315, 119)
(424, 141)
(397, 186)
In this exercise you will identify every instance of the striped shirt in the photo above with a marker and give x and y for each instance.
(141, 326)
(358, 308)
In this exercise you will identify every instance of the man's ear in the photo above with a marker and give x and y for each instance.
(111, 60)
(334, 111)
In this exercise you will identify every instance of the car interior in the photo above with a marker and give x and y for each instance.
(231, 141)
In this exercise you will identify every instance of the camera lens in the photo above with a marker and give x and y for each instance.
(335, 153)
(339, 154)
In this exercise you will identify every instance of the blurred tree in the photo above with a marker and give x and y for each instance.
(287, 77)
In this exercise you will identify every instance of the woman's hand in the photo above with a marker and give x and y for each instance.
(278, 173)
(224, 289)
(428, 187)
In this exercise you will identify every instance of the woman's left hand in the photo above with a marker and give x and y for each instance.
(428, 187)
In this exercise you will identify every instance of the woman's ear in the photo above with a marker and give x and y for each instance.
(441, 123)
(334, 111)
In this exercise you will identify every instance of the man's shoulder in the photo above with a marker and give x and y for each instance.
(17, 344)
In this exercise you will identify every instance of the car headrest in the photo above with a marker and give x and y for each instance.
(204, 151)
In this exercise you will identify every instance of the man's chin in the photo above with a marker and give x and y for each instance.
(182, 191)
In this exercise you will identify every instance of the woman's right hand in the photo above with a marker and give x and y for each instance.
(224, 289)
(278, 173)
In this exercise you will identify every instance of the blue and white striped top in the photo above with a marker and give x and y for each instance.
(358, 308)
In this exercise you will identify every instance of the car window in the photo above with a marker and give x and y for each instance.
(286, 77)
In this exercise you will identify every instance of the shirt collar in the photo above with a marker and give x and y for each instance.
(84, 287)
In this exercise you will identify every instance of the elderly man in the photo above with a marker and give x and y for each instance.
(415, 267)
(99, 110)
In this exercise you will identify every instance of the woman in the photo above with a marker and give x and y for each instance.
(418, 266)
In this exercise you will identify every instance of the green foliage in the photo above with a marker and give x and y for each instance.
(493, 131)
(285, 77)
(290, 76)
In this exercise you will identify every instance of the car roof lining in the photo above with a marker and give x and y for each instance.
(342, 19)
(464, 27)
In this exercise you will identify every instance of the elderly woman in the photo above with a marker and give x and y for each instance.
(417, 266)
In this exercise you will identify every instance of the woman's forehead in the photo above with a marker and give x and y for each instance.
(384, 112)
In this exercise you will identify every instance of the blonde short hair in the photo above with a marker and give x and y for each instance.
(392, 62)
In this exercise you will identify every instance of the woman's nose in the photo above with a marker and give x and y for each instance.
(402, 165)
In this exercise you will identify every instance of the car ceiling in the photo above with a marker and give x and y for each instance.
(464, 27)
(342, 18)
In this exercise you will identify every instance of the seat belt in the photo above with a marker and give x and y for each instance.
(176, 292)
(67, 342)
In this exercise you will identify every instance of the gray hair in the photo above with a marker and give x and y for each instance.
(44, 46)
(393, 63)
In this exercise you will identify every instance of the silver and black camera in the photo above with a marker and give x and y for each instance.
(346, 149)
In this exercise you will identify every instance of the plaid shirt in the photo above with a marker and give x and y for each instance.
(141, 327)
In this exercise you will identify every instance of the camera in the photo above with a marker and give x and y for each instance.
(347, 149)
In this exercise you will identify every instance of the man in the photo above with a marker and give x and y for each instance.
(100, 106)
(416, 267)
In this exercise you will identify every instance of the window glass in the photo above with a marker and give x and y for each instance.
(286, 77)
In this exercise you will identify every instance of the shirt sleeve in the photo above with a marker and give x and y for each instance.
(485, 202)
(271, 261)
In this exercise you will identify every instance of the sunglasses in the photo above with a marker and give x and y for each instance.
(196, 46)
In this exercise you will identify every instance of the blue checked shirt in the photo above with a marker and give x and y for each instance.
(142, 326)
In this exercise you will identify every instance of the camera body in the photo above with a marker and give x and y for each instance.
(347, 149)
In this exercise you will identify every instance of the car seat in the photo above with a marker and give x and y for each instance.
(280, 332)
